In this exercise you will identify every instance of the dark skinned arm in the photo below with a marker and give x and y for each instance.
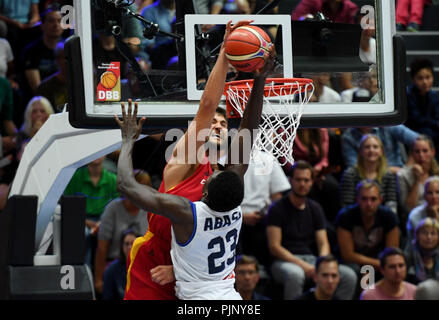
(250, 119)
(177, 209)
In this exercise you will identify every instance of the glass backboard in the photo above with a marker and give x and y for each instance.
(358, 68)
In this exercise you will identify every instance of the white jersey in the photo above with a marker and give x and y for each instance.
(203, 266)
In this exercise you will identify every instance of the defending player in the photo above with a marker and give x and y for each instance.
(154, 253)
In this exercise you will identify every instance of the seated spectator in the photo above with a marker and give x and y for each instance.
(391, 138)
(412, 177)
(6, 56)
(21, 15)
(427, 290)
(371, 165)
(264, 183)
(119, 215)
(295, 229)
(312, 145)
(430, 208)
(368, 52)
(36, 114)
(409, 14)
(105, 49)
(423, 254)
(422, 101)
(39, 56)
(209, 6)
(54, 88)
(326, 278)
(98, 186)
(392, 286)
(340, 11)
(115, 275)
(322, 91)
(247, 277)
(140, 4)
(21, 18)
(161, 12)
(366, 87)
(366, 228)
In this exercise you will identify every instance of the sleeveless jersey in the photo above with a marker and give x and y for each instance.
(203, 266)
(153, 249)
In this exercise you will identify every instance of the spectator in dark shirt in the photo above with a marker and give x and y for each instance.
(366, 228)
(115, 275)
(340, 11)
(296, 232)
(423, 102)
(327, 278)
(54, 88)
(39, 56)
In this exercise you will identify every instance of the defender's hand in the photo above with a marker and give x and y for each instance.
(128, 125)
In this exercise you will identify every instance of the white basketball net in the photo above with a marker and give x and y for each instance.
(280, 116)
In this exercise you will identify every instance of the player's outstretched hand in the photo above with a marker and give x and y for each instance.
(128, 125)
(163, 274)
(230, 28)
(269, 63)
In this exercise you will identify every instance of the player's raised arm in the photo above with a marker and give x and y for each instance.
(182, 163)
(177, 209)
(251, 119)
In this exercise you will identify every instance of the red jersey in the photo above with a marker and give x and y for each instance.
(154, 248)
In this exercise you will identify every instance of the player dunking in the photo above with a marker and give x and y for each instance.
(198, 264)
(180, 177)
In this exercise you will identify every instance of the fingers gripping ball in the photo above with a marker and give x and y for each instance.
(246, 47)
(108, 80)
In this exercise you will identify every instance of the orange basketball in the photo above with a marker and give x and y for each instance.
(108, 80)
(246, 46)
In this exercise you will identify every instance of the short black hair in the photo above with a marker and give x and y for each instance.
(225, 191)
(328, 258)
(419, 64)
(387, 252)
